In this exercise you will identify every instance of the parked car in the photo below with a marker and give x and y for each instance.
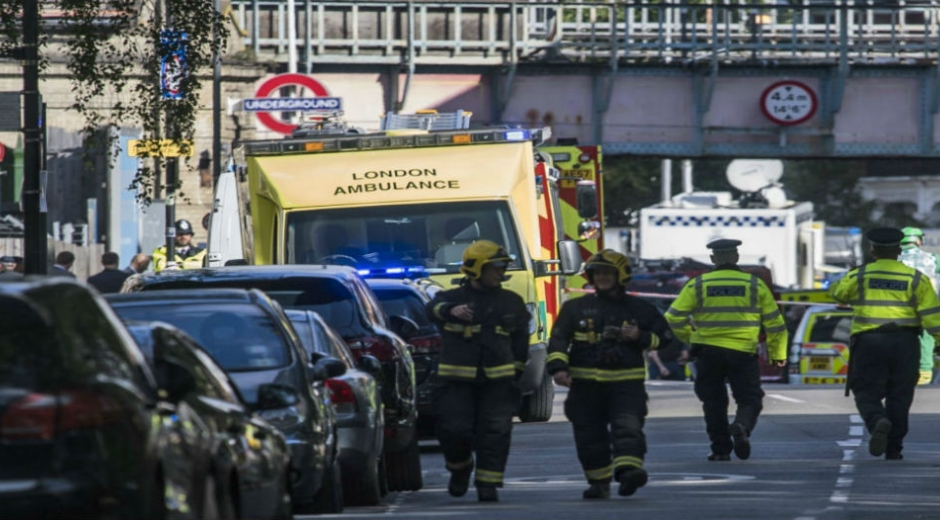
(408, 298)
(819, 349)
(85, 430)
(357, 398)
(227, 446)
(249, 336)
(344, 301)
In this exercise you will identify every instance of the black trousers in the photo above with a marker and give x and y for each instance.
(476, 416)
(716, 367)
(608, 423)
(885, 369)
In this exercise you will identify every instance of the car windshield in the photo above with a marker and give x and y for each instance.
(430, 236)
(239, 336)
(831, 328)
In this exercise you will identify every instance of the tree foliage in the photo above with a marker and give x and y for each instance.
(114, 52)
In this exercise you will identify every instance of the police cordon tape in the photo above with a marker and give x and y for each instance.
(664, 296)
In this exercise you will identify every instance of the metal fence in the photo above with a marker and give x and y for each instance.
(498, 32)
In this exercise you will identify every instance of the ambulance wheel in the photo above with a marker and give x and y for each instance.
(537, 407)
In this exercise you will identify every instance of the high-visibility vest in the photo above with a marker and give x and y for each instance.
(726, 308)
(195, 260)
(888, 292)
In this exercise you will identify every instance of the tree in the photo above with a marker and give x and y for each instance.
(117, 51)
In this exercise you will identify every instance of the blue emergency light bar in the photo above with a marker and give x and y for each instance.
(393, 272)
(302, 143)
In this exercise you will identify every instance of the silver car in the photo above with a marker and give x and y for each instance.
(356, 396)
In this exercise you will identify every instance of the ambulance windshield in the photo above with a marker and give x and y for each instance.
(430, 236)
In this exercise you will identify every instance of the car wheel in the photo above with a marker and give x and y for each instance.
(537, 407)
(365, 489)
(404, 467)
(329, 499)
(284, 506)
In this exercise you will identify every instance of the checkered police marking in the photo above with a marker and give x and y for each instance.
(717, 221)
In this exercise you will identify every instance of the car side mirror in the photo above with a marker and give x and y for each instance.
(174, 380)
(273, 397)
(331, 367)
(570, 254)
(370, 365)
(406, 328)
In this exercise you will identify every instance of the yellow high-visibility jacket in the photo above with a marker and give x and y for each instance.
(887, 291)
(726, 308)
(194, 259)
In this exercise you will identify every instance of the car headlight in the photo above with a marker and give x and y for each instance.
(533, 318)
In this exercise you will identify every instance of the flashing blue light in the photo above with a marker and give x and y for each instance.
(364, 272)
(393, 272)
(517, 135)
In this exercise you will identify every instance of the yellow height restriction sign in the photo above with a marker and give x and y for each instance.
(159, 148)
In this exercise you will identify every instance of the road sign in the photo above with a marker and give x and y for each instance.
(159, 148)
(283, 80)
(788, 102)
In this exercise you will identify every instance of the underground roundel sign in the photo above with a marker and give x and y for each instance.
(263, 104)
(788, 102)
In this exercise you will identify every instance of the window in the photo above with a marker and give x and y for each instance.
(829, 328)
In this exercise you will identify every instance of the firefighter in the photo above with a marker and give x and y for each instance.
(720, 313)
(891, 303)
(187, 255)
(927, 263)
(485, 331)
(597, 349)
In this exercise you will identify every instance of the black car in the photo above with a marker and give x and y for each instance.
(85, 430)
(340, 296)
(408, 298)
(249, 336)
(238, 464)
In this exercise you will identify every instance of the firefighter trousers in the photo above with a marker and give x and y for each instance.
(608, 421)
(716, 366)
(885, 368)
(476, 416)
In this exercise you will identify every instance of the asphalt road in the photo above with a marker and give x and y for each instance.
(809, 461)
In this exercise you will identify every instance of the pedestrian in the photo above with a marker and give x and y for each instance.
(927, 263)
(138, 264)
(8, 269)
(63, 264)
(891, 303)
(720, 314)
(111, 278)
(187, 255)
(668, 361)
(485, 332)
(597, 350)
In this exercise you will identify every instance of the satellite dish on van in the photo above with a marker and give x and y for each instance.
(750, 175)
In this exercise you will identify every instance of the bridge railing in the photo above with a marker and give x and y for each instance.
(494, 32)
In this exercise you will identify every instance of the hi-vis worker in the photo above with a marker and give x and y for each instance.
(485, 331)
(597, 348)
(720, 314)
(927, 263)
(187, 255)
(891, 303)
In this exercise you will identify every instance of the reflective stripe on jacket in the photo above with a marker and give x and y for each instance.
(726, 308)
(195, 260)
(887, 291)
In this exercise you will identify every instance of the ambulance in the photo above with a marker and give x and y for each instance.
(405, 200)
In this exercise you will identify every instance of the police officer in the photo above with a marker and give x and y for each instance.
(597, 349)
(891, 303)
(187, 255)
(485, 331)
(720, 313)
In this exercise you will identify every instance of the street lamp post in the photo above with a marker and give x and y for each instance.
(34, 239)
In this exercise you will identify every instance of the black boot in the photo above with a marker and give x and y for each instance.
(487, 494)
(879, 437)
(460, 481)
(631, 480)
(597, 491)
(741, 440)
(718, 456)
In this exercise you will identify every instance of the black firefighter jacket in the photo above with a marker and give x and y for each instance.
(495, 345)
(580, 346)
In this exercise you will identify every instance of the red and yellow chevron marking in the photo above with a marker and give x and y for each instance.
(578, 163)
(547, 287)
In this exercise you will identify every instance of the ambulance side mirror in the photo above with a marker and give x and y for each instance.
(570, 254)
(586, 196)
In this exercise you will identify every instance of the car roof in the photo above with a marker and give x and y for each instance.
(248, 272)
(183, 294)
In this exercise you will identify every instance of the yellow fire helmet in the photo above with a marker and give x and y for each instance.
(480, 253)
(609, 258)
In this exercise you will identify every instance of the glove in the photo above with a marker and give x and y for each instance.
(611, 333)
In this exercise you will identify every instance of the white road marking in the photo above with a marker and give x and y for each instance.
(785, 398)
(855, 419)
(856, 431)
(847, 468)
(839, 497)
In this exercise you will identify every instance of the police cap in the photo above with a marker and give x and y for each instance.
(724, 245)
(885, 236)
